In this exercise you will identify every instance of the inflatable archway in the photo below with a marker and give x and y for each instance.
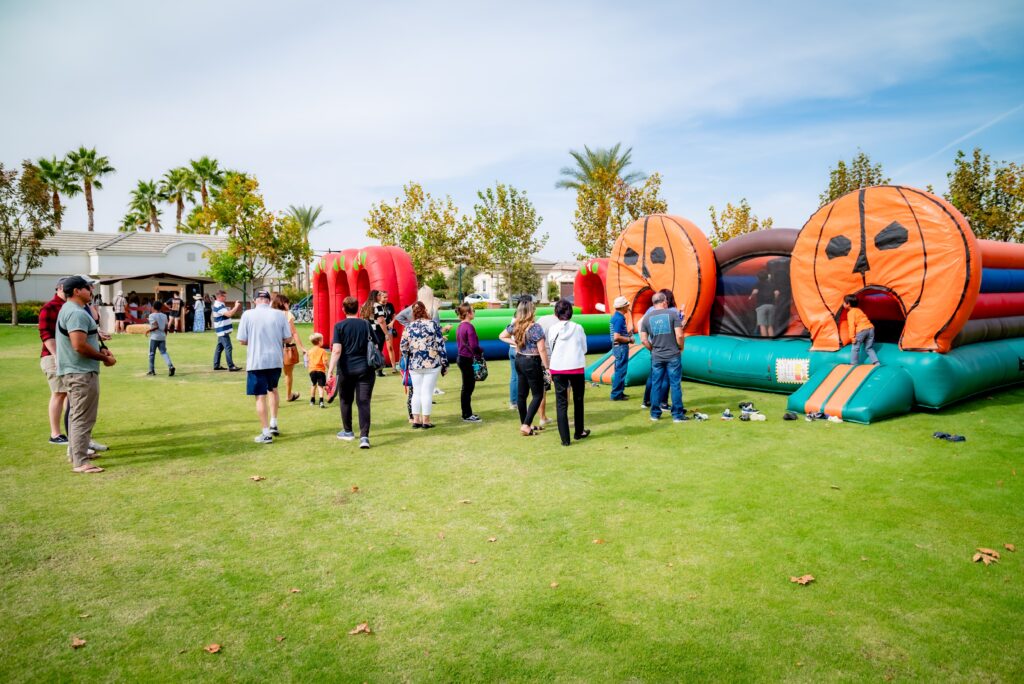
(591, 286)
(910, 244)
(662, 251)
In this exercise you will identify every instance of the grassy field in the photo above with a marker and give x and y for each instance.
(652, 552)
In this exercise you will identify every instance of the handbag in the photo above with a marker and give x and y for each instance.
(480, 369)
(291, 354)
(374, 359)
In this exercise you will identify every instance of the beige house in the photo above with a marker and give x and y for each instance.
(492, 284)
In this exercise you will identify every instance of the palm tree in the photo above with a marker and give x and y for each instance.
(59, 179)
(208, 173)
(179, 186)
(589, 161)
(308, 219)
(145, 198)
(89, 168)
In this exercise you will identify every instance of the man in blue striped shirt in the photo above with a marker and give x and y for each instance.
(221, 321)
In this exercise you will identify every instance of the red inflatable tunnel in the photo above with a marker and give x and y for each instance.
(590, 288)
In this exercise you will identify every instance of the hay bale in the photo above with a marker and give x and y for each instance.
(137, 328)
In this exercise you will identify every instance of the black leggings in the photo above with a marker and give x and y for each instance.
(468, 385)
(359, 388)
(562, 385)
(530, 373)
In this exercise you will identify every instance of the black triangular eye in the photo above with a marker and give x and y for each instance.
(631, 257)
(891, 237)
(839, 246)
(658, 255)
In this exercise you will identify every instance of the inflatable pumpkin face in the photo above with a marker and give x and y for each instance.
(661, 251)
(906, 242)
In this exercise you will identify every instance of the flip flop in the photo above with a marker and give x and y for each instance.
(87, 469)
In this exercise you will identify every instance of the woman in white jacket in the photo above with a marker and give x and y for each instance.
(567, 350)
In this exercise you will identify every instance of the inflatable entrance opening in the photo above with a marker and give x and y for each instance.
(590, 287)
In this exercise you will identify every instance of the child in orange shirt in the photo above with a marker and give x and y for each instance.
(316, 358)
(862, 331)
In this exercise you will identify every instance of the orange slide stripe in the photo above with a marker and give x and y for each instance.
(995, 254)
(601, 371)
(827, 386)
(851, 384)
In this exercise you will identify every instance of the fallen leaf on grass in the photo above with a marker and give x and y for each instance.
(554, 585)
(492, 539)
(257, 478)
(599, 541)
(77, 642)
(212, 648)
(440, 535)
(802, 580)
(986, 556)
(86, 615)
(361, 628)
(1010, 547)
(355, 489)
(473, 561)
(834, 486)
(279, 639)
(464, 501)
(295, 591)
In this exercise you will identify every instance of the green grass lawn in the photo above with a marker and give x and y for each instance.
(174, 547)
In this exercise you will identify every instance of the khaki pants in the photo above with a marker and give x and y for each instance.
(83, 403)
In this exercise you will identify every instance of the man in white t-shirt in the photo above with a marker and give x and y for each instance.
(263, 331)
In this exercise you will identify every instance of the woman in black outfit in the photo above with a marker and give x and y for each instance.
(355, 377)
(368, 312)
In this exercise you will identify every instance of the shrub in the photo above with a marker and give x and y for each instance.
(28, 312)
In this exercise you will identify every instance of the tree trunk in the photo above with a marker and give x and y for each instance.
(153, 218)
(181, 210)
(88, 203)
(14, 303)
(56, 209)
(309, 285)
(202, 191)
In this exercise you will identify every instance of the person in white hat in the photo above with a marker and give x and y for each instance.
(120, 307)
(199, 317)
(622, 337)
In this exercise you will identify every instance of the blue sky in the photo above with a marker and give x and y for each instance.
(340, 105)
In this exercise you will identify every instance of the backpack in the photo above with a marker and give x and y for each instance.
(374, 359)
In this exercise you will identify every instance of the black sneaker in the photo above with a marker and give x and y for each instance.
(473, 419)
(234, 369)
(59, 439)
(170, 372)
(312, 401)
(274, 431)
(219, 368)
(322, 404)
(151, 373)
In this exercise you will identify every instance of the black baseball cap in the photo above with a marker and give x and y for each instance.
(76, 282)
(261, 294)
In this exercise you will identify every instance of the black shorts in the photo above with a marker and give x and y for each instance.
(318, 378)
(119, 316)
(263, 381)
(174, 314)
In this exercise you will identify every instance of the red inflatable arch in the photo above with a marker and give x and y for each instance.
(590, 287)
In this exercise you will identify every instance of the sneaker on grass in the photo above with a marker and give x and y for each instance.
(473, 419)
(264, 438)
(364, 442)
(346, 435)
(59, 439)
(96, 446)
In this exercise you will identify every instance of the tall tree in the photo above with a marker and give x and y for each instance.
(606, 205)
(859, 173)
(504, 227)
(89, 168)
(178, 186)
(734, 221)
(429, 229)
(209, 174)
(589, 161)
(308, 219)
(26, 219)
(991, 196)
(259, 243)
(145, 200)
(60, 179)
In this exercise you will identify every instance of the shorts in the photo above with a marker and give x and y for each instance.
(318, 378)
(174, 314)
(261, 382)
(49, 366)
(119, 316)
(765, 313)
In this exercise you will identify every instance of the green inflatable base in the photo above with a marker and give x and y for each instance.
(857, 394)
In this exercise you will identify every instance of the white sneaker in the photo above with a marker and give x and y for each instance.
(96, 446)
(437, 390)
(364, 442)
(274, 431)
(264, 439)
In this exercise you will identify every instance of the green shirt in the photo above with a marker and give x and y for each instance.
(74, 317)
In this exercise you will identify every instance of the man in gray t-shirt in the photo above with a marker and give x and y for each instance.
(264, 331)
(80, 351)
(158, 338)
(661, 332)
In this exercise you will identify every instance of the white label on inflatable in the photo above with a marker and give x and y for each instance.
(792, 371)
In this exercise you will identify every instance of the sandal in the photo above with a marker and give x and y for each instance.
(527, 432)
(294, 397)
(88, 468)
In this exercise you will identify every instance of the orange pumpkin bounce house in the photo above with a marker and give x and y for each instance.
(948, 308)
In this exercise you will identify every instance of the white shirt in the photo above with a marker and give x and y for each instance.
(264, 330)
(567, 346)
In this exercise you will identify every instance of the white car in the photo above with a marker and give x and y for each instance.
(476, 298)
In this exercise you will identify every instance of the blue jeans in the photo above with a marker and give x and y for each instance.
(662, 389)
(670, 372)
(223, 343)
(621, 354)
(866, 339)
(160, 345)
(513, 381)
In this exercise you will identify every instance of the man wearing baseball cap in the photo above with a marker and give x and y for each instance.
(622, 337)
(79, 355)
(263, 332)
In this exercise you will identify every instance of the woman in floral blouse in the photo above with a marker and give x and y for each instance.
(423, 346)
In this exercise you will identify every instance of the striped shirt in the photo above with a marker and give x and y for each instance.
(220, 319)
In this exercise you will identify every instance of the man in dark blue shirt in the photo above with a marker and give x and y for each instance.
(621, 339)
